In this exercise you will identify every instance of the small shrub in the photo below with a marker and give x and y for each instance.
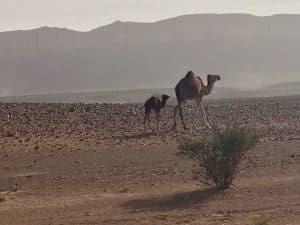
(3, 196)
(263, 219)
(218, 156)
(129, 185)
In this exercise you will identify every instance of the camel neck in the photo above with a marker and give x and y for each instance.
(208, 88)
(163, 103)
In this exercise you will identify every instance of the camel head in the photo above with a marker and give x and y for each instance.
(164, 99)
(211, 79)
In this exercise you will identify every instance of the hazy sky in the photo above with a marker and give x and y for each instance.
(87, 14)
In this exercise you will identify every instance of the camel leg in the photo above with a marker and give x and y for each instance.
(157, 121)
(196, 117)
(178, 106)
(146, 118)
(174, 115)
(150, 123)
(145, 122)
(205, 118)
(181, 116)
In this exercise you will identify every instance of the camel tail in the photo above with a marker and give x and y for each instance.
(178, 95)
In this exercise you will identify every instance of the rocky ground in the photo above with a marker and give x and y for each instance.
(93, 164)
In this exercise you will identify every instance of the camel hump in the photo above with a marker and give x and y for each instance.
(189, 74)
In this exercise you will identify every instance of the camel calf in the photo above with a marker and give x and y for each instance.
(154, 104)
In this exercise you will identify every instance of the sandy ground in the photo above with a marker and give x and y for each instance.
(93, 164)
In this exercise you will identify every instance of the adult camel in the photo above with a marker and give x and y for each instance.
(191, 87)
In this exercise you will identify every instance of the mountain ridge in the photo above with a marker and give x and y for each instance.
(158, 21)
(246, 50)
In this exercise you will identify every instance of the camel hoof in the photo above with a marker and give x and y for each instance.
(197, 127)
(174, 127)
(208, 125)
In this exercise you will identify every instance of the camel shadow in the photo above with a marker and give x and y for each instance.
(171, 202)
(142, 135)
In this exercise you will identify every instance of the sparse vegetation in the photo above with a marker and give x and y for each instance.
(263, 219)
(3, 196)
(218, 156)
(129, 186)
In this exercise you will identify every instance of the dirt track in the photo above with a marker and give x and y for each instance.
(92, 164)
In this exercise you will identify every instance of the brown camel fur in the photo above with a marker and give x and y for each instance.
(191, 87)
(154, 104)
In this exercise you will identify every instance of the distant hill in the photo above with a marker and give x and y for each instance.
(287, 85)
(248, 51)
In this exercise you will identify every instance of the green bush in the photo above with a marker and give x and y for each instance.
(3, 196)
(263, 219)
(218, 156)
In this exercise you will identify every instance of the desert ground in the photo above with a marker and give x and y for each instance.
(93, 164)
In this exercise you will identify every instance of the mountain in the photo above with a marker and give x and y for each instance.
(287, 86)
(247, 51)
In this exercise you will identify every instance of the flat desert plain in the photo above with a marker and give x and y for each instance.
(93, 164)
